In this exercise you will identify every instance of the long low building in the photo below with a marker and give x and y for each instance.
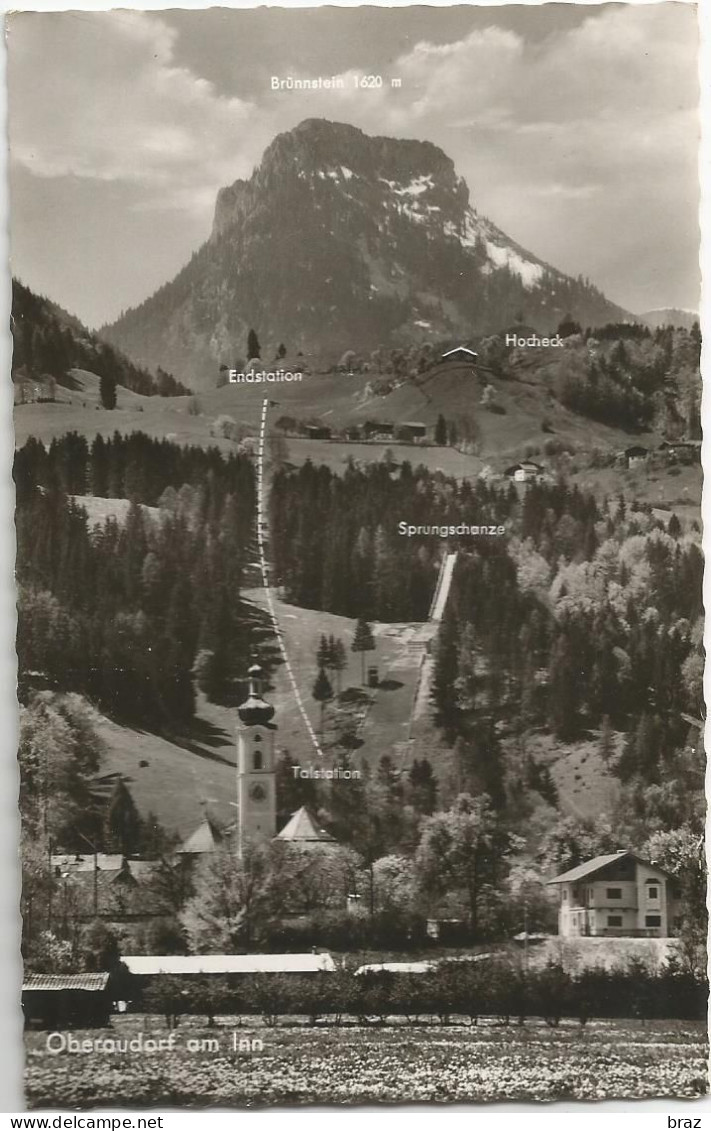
(145, 965)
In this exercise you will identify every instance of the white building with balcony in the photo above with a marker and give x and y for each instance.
(619, 895)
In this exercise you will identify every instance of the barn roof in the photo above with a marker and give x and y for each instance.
(228, 963)
(91, 982)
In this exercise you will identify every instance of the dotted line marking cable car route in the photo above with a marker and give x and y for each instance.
(264, 567)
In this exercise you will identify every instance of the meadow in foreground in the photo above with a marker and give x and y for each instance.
(300, 1065)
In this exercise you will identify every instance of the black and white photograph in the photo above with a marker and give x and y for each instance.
(357, 414)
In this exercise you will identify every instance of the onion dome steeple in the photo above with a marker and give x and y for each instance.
(255, 711)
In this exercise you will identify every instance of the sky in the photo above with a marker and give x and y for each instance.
(575, 127)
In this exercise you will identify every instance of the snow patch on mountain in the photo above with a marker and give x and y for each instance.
(499, 252)
(529, 273)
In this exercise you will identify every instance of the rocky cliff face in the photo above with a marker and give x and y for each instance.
(338, 241)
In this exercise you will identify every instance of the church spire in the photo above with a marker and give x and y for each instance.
(255, 711)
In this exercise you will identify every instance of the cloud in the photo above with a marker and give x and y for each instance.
(97, 96)
(579, 143)
(620, 86)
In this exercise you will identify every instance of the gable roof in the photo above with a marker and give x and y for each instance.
(205, 838)
(90, 982)
(302, 827)
(597, 864)
(636, 450)
(460, 349)
(228, 963)
(524, 465)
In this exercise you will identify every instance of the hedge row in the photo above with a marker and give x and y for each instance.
(462, 989)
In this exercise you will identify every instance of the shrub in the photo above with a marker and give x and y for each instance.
(375, 996)
(272, 995)
(167, 995)
(552, 994)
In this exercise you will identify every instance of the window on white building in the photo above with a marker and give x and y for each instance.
(614, 920)
(614, 893)
(652, 920)
(653, 892)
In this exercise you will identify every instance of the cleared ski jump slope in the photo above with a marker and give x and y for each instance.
(441, 592)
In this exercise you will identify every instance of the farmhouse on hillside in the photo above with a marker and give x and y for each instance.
(317, 431)
(377, 430)
(525, 472)
(618, 895)
(635, 455)
(411, 430)
(685, 451)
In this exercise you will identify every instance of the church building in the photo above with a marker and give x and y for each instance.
(256, 790)
(256, 766)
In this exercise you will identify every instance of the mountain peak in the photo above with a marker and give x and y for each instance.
(344, 240)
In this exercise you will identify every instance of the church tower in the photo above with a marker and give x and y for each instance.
(256, 767)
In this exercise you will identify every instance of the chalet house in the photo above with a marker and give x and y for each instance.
(687, 451)
(525, 472)
(317, 432)
(375, 430)
(635, 456)
(410, 431)
(618, 895)
(33, 390)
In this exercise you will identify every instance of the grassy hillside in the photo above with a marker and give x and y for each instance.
(48, 342)
(584, 785)
(176, 777)
(449, 389)
(173, 780)
(78, 409)
(523, 409)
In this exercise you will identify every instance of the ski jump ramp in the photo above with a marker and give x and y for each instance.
(441, 592)
(421, 698)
